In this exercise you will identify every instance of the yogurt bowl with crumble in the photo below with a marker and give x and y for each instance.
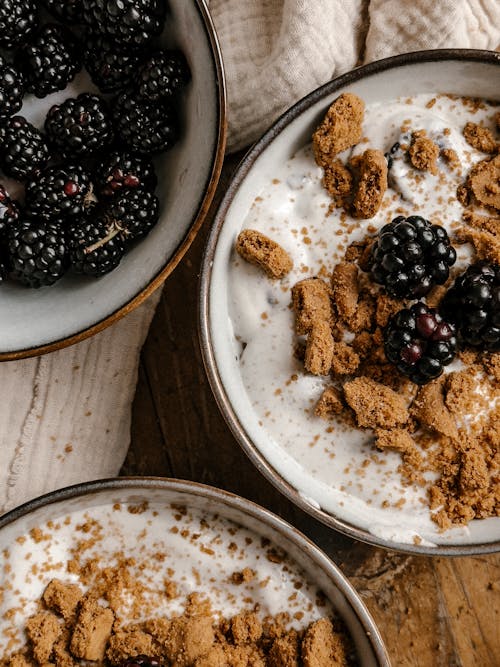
(350, 303)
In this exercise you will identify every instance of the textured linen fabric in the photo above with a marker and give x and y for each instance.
(66, 416)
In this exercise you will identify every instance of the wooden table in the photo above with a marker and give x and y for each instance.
(432, 612)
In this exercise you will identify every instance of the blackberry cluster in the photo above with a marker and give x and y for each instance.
(473, 304)
(125, 23)
(50, 61)
(89, 179)
(18, 20)
(23, 149)
(145, 127)
(11, 89)
(410, 255)
(419, 342)
(79, 126)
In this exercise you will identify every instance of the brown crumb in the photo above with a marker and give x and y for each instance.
(311, 303)
(62, 598)
(319, 349)
(485, 183)
(321, 646)
(345, 359)
(484, 223)
(329, 403)
(375, 405)
(372, 183)
(340, 128)
(345, 289)
(451, 157)
(262, 251)
(285, 651)
(486, 245)
(480, 138)
(423, 152)
(430, 410)
(92, 630)
(42, 630)
(337, 180)
(245, 576)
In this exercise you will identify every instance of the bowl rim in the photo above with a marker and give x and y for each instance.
(196, 222)
(206, 343)
(221, 497)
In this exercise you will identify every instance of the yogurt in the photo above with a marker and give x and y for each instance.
(338, 466)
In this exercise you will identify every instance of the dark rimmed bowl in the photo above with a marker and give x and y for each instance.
(462, 72)
(58, 513)
(39, 321)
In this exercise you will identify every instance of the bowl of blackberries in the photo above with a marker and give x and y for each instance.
(112, 133)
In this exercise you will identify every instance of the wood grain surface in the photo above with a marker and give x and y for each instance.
(432, 612)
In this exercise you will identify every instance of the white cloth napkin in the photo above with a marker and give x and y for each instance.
(66, 416)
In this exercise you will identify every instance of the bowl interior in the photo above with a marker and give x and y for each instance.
(473, 74)
(168, 515)
(36, 318)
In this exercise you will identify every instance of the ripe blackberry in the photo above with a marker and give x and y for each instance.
(94, 246)
(141, 661)
(11, 89)
(162, 75)
(145, 127)
(410, 255)
(67, 11)
(133, 213)
(125, 22)
(111, 68)
(18, 19)
(9, 211)
(58, 193)
(37, 253)
(419, 342)
(79, 126)
(23, 149)
(50, 61)
(124, 171)
(473, 304)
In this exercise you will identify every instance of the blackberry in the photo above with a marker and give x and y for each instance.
(9, 211)
(37, 253)
(50, 61)
(18, 19)
(67, 11)
(125, 22)
(110, 68)
(420, 342)
(94, 246)
(141, 661)
(79, 126)
(11, 89)
(23, 149)
(410, 255)
(144, 127)
(473, 304)
(124, 171)
(59, 193)
(133, 214)
(163, 74)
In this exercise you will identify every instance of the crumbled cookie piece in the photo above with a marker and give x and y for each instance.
(485, 183)
(484, 223)
(246, 628)
(480, 138)
(285, 651)
(92, 630)
(189, 639)
(62, 598)
(262, 251)
(43, 629)
(386, 307)
(18, 660)
(430, 410)
(337, 180)
(375, 405)
(340, 128)
(423, 152)
(310, 303)
(329, 403)
(345, 359)
(319, 349)
(486, 245)
(246, 575)
(450, 156)
(399, 440)
(345, 289)
(125, 643)
(372, 183)
(321, 646)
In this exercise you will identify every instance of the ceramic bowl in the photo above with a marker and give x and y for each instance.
(313, 478)
(142, 516)
(38, 321)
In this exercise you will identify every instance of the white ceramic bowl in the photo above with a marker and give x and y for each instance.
(305, 478)
(38, 321)
(207, 558)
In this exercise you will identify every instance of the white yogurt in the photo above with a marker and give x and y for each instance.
(337, 465)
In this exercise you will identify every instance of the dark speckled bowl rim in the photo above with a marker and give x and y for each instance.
(197, 220)
(221, 498)
(223, 401)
